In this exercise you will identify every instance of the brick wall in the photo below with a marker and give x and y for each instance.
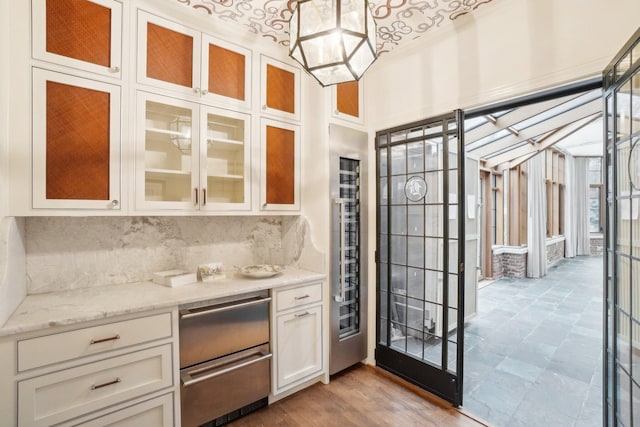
(596, 245)
(555, 252)
(509, 265)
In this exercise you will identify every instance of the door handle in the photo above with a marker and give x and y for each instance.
(340, 297)
(187, 380)
(186, 314)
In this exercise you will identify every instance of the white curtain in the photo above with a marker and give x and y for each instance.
(537, 218)
(570, 223)
(581, 206)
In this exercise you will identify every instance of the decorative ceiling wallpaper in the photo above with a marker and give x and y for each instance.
(398, 20)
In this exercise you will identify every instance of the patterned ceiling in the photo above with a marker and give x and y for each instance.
(398, 21)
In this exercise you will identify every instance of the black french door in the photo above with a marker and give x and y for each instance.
(622, 263)
(420, 255)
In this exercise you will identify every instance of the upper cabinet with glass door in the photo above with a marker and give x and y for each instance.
(280, 89)
(82, 34)
(191, 157)
(180, 59)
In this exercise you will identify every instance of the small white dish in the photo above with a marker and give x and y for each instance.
(261, 271)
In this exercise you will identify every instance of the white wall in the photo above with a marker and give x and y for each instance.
(505, 49)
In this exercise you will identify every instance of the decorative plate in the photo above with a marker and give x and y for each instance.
(261, 271)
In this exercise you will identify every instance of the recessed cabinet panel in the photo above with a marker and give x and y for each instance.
(165, 160)
(226, 72)
(168, 54)
(348, 101)
(280, 166)
(76, 144)
(280, 89)
(79, 33)
(347, 95)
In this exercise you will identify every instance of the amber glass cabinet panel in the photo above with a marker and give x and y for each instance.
(280, 89)
(348, 99)
(79, 33)
(226, 72)
(76, 143)
(280, 165)
(169, 55)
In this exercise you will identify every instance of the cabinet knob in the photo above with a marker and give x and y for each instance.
(115, 69)
(205, 91)
(115, 203)
(196, 89)
(264, 107)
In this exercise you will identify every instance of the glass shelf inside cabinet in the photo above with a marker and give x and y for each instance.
(168, 152)
(225, 159)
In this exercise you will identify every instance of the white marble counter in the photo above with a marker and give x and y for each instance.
(41, 311)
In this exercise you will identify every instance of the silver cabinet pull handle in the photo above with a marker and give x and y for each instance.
(302, 297)
(98, 341)
(186, 314)
(187, 380)
(108, 383)
(306, 313)
(340, 296)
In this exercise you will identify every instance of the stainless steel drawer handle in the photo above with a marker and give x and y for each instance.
(108, 383)
(187, 314)
(302, 297)
(187, 380)
(98, 341)
(306, 313)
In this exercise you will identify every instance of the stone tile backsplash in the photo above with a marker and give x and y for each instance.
(68, 252)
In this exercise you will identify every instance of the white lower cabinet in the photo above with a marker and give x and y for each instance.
(127, 380)
(298, 336)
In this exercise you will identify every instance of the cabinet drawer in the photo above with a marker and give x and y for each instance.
(62, 395)
(299, 296)
(153, 412)
(49, 349)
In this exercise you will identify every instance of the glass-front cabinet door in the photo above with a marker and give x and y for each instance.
(166, 159)
(190, 156)
(224, 166)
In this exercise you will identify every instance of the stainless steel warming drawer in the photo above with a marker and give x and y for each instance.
(224, 357)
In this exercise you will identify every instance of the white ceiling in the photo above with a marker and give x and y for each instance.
(398, 21)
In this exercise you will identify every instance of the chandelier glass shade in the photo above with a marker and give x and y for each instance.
(334, 40)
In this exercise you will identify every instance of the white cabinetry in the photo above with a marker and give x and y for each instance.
(190, 156)
(76, 142)
(84, 34)
(180, 59)
(298, 336)
(119, 373)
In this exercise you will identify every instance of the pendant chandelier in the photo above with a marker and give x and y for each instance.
(334, 40)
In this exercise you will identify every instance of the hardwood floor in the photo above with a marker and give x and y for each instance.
(360, 396)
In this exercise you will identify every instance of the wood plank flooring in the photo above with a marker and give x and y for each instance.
(360, 396)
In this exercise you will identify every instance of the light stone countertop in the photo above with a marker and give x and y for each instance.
(41, 311)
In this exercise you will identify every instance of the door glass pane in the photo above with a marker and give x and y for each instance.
(168, 152)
